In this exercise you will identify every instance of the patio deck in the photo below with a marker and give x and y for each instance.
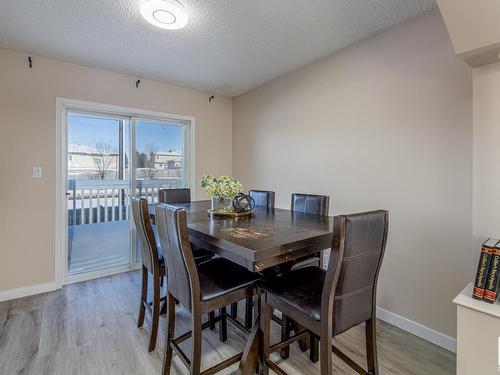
(98, 246)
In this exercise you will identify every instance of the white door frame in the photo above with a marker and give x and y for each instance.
(61, 164)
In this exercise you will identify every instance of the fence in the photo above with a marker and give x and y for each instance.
(97, 201)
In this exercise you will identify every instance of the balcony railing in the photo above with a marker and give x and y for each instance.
(98, 201)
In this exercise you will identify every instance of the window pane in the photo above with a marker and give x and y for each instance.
(160, 157)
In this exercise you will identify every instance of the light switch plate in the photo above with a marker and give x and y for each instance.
(37, 172)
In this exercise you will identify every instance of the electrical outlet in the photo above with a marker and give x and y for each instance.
(37, 172)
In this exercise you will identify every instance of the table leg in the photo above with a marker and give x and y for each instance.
(252, 354)
(250, 357)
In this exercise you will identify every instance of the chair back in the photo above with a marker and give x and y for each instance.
(263, 198)
(183, 282)
(171, 196)
(149, 249)
(358, 247)
(310, 203)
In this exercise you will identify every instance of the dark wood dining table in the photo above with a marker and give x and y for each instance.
(262, 241)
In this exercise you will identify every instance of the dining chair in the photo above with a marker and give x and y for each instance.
(310, 204)
(183, 195)
(152, 262)
(263, 198)
(178, 195)
(316, 205)
(200, 288)
(328, 303)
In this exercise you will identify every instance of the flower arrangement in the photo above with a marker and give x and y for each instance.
(222, 187)
(222, 190)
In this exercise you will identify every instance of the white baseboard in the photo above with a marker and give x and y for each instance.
(26, 291)
(426, 333)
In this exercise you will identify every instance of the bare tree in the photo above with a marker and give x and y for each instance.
(103, 159)
(151, 152)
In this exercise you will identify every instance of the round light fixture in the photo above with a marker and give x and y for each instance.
(166, 14)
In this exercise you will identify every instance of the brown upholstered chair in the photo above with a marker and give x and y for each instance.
(316, 205)
(331, 302)
(200, 288)
(263, 198)
(170, 196)
(152, 262)
(183, 195)
(310, 204)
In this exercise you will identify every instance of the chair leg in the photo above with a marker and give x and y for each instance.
(144, 296)
(249, 312)
(314, 348)
(371, 346)
(196, 344)
(304, 343)
(223, 325)
(234, 310)
(285, 335)
(167, 360)
(211, 318)
(266, 332)
(325, 352)
(155, 319)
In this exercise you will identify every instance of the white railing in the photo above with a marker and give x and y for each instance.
(86, 174)
(98, 201)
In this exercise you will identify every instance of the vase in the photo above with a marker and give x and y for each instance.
(220, 204)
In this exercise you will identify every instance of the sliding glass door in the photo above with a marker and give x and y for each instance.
(109, 159)
(98, 192)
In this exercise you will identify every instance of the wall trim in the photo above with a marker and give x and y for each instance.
(26, 291)
(417, 329)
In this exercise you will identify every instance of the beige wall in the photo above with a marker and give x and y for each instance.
(386, 123)
(486, 153)
(27, 132)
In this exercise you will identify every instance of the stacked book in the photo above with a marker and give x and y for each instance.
(488, 272)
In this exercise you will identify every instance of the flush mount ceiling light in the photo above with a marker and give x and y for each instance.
(166, 14)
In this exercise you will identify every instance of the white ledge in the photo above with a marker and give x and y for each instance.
(465, 299)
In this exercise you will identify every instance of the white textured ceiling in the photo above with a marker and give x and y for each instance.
(228, 46)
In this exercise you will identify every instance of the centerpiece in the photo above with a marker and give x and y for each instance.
(227, 196)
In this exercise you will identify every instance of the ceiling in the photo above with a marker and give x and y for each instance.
(228, 46)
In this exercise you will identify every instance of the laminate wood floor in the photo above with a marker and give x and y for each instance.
(90, 328)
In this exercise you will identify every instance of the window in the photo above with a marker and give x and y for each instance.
(161, 153)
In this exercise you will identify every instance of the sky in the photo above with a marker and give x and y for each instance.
(89, 130)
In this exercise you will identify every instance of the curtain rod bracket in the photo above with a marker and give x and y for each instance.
(137, 83)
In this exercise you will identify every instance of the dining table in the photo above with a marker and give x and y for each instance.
(262, 241)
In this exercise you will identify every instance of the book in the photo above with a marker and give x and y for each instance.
(483, 268)
(491, 287)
